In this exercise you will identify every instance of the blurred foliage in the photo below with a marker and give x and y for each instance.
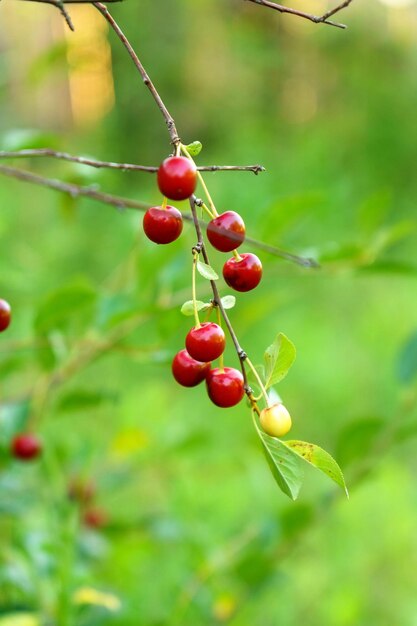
(194, 530)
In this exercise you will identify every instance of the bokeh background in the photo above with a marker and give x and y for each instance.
(189, 525)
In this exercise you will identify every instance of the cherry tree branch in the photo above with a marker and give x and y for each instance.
(47, 152)
(60, 5)
(317, 19)
(119, 202)
(169, 120)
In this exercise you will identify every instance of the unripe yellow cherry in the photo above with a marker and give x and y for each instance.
(275, 420)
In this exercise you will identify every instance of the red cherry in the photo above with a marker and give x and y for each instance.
(95, 518)
(162, 225)
(225, 386)
(26, 447)
(205, 343)
(219, 228)
(187, 371)
(5, 315)
(177, 178)
(243, 274)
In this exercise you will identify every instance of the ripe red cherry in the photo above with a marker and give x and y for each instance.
(225, 386)
(5, 315)
(26, 447)
(226, 232)
(205, 343)
(177, 178)
(162, 225)
(187, 371)
(243, 274)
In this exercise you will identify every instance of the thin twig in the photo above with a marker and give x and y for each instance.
(217, 301)
(78, 191)
(317, 19)
(64, 156)
(169, 120)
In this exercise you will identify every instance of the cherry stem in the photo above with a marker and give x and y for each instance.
(258, 380)
(164, 202)
(219, 321)
(203, 184)
(217, 301)
(194, 290)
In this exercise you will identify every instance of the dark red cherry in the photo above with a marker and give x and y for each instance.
(5, 315)
(205, 343)
(226, 232)
(162, 225)
(187, 371)
(177, 178)
(26, 447)
(243, 274)
(225, 387)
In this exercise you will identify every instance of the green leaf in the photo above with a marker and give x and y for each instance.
(194, 148)
(283, 462)
(278, 359)
(206, 271)
(321, 459)
(228, 302)
(188, 307)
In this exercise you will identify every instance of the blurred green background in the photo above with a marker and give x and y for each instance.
(195, 530)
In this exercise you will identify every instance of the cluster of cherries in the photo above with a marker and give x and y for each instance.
(24, 446)
(177, 180)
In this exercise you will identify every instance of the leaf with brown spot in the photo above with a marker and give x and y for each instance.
(322, 460)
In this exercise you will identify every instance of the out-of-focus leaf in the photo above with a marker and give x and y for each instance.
(373, 211)
(54, 58)
(28, 138)
(13, 419)
(93, 597)
(112, 309)
(20, 619)
(284, 463)
(71, 302)
(279, 357)
(84, 399)
(407, 360)
(357, 439)
(320, 459)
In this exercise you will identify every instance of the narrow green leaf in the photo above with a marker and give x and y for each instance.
(188, 307)
(283, 462)
(228, 302)
(321, 459)
(206, 271)
(194, 148)
(278, 359)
